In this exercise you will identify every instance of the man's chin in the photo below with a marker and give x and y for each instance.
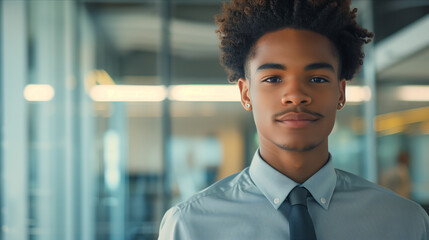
(294, 148)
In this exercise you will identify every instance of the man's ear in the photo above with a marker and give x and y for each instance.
(342, 98)
(243, 85)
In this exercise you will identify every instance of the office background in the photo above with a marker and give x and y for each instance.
(113, 110)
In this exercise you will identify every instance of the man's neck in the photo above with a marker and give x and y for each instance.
(298, 166)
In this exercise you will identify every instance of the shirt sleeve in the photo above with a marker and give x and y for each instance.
(172, 226)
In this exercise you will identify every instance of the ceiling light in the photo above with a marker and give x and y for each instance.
(204, 93)
(39, 92)
(128, 93)
(358, 93)
(415, 93)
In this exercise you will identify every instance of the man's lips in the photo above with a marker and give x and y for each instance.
(293, 116)
(297, 120)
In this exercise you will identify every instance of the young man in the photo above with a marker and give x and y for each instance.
(291, 59)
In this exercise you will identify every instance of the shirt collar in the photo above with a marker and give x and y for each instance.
(276, 186)
(322, 184)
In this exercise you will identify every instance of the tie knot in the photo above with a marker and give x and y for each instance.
(298, 195)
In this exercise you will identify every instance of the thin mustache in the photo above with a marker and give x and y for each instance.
(296, 110)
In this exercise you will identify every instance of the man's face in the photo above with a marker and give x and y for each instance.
(293, 87)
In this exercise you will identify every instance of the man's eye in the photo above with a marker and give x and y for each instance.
(319, 80)
(272, 80)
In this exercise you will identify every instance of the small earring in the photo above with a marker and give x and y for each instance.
(341, 104)
(247, 105)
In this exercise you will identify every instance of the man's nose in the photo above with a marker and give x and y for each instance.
(295, 94)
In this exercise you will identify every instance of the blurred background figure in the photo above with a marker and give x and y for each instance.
(397, 178)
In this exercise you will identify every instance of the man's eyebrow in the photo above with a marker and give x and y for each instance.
(320, 65)
(271, 66)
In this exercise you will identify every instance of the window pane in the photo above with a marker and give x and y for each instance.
(129, 126)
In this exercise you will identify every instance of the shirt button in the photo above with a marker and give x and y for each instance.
(276, 201)
(323, 200)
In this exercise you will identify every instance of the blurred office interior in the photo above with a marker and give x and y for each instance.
(114, 110)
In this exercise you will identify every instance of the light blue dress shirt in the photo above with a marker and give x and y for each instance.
(245, 206)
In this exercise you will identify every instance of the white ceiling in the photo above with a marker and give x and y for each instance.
(414, 67)
(140, 29)
(405, 54)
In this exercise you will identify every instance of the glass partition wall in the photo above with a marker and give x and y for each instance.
(113, 111)
(130, 165)
(401, 125)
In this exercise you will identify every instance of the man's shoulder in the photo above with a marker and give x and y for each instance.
(350, 182)
(216, 200)
(374, 194)
(223, 189)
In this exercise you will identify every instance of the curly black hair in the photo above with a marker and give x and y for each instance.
(243, 22)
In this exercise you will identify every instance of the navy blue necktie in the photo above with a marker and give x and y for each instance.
(300, 224)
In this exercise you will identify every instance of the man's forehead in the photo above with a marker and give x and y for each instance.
(288, 46)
